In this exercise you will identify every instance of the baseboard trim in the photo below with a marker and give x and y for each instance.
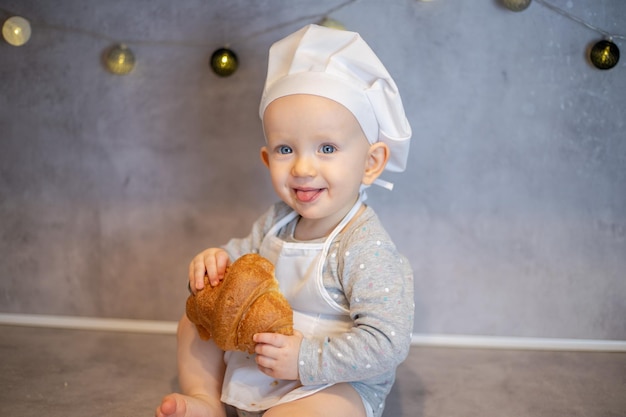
(418, 340)
(517, 343)
(89, 323)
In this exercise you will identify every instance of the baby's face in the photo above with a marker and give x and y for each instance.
(317, 155)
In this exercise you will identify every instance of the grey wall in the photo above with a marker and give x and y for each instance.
(512, 210)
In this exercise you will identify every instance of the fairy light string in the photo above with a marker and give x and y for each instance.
(165, 42)
(576, 19)
(119, 58)
(604, 54)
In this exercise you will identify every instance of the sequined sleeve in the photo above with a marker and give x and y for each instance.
(366, 273)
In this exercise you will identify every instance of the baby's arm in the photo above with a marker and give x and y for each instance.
(378, 285)
(213, 261)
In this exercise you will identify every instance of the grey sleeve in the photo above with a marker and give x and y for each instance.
(378, 286)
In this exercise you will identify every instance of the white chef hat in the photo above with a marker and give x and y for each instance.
(339, 65)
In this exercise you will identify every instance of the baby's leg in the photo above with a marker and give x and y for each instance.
(336, 401)
(200, 373)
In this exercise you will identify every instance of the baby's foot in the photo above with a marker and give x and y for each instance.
(178, 405)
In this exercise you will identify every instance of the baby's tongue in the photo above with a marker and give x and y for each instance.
(307, 195)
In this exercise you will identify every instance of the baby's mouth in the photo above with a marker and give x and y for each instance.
(306, 195)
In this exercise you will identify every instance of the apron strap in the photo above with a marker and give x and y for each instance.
(322, 259)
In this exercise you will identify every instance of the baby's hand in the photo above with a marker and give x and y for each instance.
(211, 262)
(277, 354)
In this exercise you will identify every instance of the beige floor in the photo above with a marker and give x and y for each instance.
(67, 373)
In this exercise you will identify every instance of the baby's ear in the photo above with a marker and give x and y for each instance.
(377, 158)
(265, 156)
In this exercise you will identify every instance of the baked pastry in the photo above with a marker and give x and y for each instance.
(245, 302)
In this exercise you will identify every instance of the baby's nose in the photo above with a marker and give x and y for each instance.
(304, 166)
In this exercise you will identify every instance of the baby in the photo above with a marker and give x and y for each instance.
(333, 122)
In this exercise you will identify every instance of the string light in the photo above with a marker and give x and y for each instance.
(16, 31)
(516, 5)
(603, 55)
(332, 23)
(119, 59)
(224, 62)
(578, 20)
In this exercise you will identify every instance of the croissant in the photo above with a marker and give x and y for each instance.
(245, 302)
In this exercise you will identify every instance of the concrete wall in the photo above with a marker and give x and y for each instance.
(512, 210)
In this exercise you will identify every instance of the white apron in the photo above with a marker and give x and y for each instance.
(298, 268)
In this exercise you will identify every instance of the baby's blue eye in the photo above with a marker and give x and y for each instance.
(327, 149)
(284, 150)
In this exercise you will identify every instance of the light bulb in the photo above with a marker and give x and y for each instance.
(119, 59)
(16, 31)
(604, 55)
(516, 5)
(332, 23)
(224, 62)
